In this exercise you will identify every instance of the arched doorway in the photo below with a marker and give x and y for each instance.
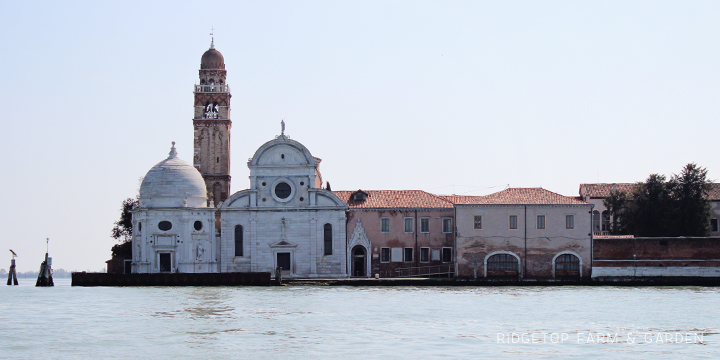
(358, 261)
(567, 266)
(502, 266)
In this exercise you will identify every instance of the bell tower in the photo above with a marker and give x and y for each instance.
(212, 126)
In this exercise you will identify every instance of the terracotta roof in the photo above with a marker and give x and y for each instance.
(714, 192)
(523, 196)
(394, 199)
(459, 199)
(603, 190)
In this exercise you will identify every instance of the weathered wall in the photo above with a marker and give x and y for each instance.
(371, 220)
(475, 246)
(682, 256)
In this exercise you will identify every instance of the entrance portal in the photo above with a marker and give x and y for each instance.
(165, 262)
(283, 261)
(358, 261)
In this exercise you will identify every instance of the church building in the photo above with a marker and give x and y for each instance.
(188, 221)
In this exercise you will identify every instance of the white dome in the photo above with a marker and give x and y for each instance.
(173, 182)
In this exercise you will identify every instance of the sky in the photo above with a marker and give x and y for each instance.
(452, 97)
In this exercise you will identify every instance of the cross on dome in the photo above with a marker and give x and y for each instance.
(212, 39)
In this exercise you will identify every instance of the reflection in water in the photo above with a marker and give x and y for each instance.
(354, 322)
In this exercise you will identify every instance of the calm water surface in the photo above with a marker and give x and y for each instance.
(342, 322)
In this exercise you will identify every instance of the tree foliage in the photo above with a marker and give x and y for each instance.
(660, 207)
(123, 227)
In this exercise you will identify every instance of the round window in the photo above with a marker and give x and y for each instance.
(198, 225)
(282, 190)
(165, 225)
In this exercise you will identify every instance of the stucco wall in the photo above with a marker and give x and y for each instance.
(371, 220)
(535, 248)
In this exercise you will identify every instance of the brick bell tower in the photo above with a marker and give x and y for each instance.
(212, 126)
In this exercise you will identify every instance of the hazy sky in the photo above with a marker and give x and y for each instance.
(445, 96)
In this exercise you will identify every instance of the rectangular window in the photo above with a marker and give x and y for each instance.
(435, 255)
(541, 221)
(424, 225)
(384, 255)
(408, 254)
(447, 255)
(477, 222)
(328, 239)
(238, 240)
(513, 221)
(396, 255)
(408, 224)
(714, 225)
(447, 225)
(424, 254)
(569, 221)
(385, 224)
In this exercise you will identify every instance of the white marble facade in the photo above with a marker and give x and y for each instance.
(284, 219)
(173, 228)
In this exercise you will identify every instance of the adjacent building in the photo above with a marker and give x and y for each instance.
(523, 233)
(596, 194)
(399, 233)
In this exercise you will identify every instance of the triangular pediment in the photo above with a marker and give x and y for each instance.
(283, 244)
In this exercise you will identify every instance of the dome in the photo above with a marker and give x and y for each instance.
(212, 59)
(173, 182)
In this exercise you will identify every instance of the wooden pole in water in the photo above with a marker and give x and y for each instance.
(12, 275)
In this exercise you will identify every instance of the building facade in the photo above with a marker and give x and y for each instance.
(523, 233)
(399, 233)
(284, 219)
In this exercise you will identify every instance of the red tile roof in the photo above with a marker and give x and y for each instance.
(395, 199)
(522, 196)
(603, 190)
(459, 199)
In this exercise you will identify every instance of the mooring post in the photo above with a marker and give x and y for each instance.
(12, 275)
(278, 275)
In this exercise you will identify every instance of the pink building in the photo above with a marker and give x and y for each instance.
(399, 233)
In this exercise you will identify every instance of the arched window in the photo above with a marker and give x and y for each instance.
(328, 239)
(567, 265)
(605, 220)
(238, 240)
(596, 220)
(502, 265)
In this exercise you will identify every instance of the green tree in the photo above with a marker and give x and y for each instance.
(650, 211)
(690, 189)
(656, 207)
(122, 230)
(616, 203)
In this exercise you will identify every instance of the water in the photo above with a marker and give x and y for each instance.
(352, 323)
